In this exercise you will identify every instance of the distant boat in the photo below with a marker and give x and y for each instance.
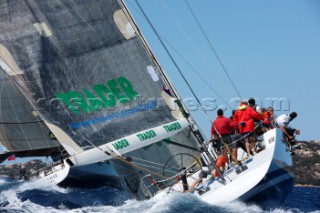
(50, 174)
(54, 174)
(92, 78)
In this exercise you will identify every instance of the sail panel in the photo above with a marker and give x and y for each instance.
(83, 75)
(20, 128)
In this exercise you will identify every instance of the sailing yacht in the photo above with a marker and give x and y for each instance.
(92, 78)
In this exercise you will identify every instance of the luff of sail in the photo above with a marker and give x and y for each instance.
(85, 69)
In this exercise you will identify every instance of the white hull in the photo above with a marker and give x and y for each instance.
(275, 186)
(57, 174)
(265, 173)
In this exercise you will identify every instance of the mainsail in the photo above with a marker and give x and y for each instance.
(89, 73)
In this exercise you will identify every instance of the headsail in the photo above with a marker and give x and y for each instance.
(22, 131)
(85, 69)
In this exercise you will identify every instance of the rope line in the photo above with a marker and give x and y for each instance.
(211, 46)
(243, 136)
(186, 35)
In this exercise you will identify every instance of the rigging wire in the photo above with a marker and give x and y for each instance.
(170, 55)
(213, 50)
(197, 73)
(147, 163)
(190, 41)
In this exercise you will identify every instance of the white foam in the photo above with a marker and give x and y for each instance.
(33, 185)
(10, 201)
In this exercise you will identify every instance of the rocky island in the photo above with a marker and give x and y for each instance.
(306, 164)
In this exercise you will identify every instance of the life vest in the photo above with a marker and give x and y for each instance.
(267, 117)
(221, 162)
(247, 118)
(237, 116)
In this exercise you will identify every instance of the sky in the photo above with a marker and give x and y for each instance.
(269, 48)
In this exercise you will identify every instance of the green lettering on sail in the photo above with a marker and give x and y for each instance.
(146, 135)
(95, 102)
(75, 101)
(106, 96)
(127, 88)
(121, 144)
(172, 127)
(101, 96)
(113, 85)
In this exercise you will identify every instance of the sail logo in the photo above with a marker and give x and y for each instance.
(121, 144)
(147, 135)
(104, 96)
(172, 127)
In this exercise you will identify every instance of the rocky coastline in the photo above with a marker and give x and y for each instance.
(306, 164)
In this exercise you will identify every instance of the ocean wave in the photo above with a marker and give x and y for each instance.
(25, 186)
(55, 199)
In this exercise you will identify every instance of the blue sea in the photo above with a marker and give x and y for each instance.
(26, 197)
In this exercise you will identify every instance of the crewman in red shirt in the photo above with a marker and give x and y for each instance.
(222, 126)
